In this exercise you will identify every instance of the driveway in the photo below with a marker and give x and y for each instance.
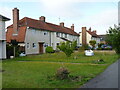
(107, 79)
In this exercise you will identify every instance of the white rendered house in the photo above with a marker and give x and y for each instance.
(36, 35)
(3, 37)
(88, 35)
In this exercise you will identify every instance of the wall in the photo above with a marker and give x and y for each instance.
(88, 38)
(50, 39)
(55, 39)
(2, 30)
(36, 36)
(2, 40)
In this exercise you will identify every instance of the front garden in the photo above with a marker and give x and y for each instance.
(38, 71)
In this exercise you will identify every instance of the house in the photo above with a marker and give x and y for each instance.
(3, 37)
(103, 38)
(87, 35)
(35, 35)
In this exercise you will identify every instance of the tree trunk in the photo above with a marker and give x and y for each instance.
(14, 51)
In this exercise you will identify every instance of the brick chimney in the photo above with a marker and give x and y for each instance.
(15, 21)
(95, 31)
(42, 18)
(84, 36)
(90, 29)
(62, 24)
(72, 27)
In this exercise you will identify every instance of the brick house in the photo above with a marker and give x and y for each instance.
(35, 35)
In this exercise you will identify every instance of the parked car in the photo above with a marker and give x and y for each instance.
(106, 47)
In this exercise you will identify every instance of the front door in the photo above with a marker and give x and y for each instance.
(40, 47)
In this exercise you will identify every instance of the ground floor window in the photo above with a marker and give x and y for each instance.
(58, 44)
(28, 45)
(34, 45)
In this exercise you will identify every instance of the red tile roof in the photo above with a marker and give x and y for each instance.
(37, 24)
(93, 34)
(19, 38)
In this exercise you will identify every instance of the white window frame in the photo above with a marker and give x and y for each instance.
(34, 45)
(28, 45)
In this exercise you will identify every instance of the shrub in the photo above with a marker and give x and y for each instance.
(49, 49)
(99, 48)
(84, 47)
(107, 49)
(99, 45)
(92, 43)
(67, 47)
(62, 73)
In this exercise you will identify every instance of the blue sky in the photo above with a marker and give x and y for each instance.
(97, 15)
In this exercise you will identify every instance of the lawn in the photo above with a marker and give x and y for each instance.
(37, 71)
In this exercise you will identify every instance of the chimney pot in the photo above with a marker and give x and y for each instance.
(62, 24)
(90, 29)
(42, 18)
(95, 31)
(72, 27)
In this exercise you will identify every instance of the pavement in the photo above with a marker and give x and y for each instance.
(107, 79)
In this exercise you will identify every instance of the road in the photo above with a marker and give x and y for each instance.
(107, 79)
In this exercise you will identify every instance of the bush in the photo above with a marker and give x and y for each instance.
(67, 47)
(107, 49)
(113, 38)
(84, 47)
(99, 48)
(49, 49)
(62, 73)
(99, 45)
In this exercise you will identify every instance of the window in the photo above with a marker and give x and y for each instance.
(61, 34)
(57, 44)
(45, 33)
(46, 45)
(65, 35)
(34, 45)
(33, 31)
(57, 34)
(28, 46)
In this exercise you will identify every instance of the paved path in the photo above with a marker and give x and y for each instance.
(107, 79)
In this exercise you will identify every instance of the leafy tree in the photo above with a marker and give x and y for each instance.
(92, 43)
(67, 47)
(113, 38)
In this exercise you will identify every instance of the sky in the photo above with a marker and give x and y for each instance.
(97, 14)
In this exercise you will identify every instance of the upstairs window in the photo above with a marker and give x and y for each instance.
(65, 35)
(57, 34)
(61, 34)
(45, 33)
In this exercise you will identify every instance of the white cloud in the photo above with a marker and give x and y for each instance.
(62, 8)
(59, 0)
(102, 21)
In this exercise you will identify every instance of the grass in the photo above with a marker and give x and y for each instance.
(39, 72)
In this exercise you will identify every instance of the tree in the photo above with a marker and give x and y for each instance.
(14, 43)
(92, 43)
(113, 38)
(67, 47)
